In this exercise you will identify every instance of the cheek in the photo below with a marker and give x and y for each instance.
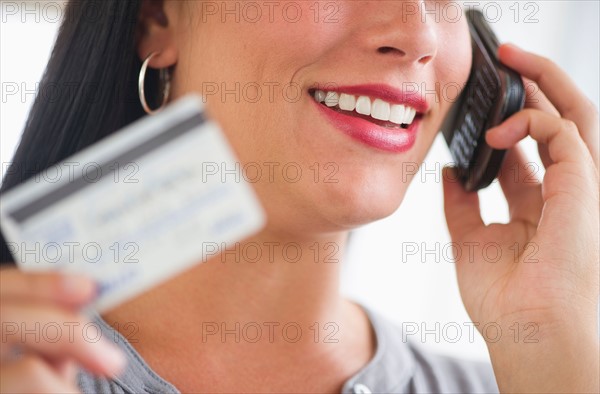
(245, 71)
(453, 65)
(269, 50)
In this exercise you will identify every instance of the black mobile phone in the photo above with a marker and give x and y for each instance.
(493, 93)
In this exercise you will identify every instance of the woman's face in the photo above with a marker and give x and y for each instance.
(318, 168)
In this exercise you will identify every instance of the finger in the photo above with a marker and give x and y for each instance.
(536, 99)
(58, 333)
(66, 289)
(573, 179)
(31, 374)
(65, 368)
(561, 136)
(552, 80)
(461, 208)
(560, 89)
(521, 187)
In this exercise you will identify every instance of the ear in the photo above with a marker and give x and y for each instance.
(156, 33)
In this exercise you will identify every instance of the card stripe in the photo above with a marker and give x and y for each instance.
(22, 213)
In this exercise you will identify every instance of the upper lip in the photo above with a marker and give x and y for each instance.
(385, 92)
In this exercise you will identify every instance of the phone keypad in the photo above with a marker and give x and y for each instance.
(478, 102)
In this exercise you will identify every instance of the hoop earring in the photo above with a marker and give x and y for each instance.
(165, 78)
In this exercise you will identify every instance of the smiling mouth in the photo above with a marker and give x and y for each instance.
(374, 110)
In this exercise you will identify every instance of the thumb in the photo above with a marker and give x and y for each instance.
(461, 207)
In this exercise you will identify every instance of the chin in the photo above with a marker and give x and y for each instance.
(365, 201)
(366, 209)
(327, 208)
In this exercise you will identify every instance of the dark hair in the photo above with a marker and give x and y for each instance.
(88, 90)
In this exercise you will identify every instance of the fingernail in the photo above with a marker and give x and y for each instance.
(513, 46)
(112, 358)
(78, 286)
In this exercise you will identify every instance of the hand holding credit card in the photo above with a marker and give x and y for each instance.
(149, 206)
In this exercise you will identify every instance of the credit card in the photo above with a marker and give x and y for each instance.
(137, 207)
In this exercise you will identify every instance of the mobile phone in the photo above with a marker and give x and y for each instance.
(493, 93)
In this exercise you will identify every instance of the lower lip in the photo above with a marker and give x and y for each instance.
(396, 140)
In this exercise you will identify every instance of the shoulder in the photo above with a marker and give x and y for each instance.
(403, 366)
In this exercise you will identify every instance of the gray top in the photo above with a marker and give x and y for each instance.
(399, 366)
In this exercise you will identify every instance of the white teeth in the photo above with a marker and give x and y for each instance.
(377, 108)
(409, 116)
(363, 105)
(347, 102)
(332, 99)
(397, 113)
(380, 110)
(320, 96)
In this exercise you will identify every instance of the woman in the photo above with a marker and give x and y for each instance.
(373, 49)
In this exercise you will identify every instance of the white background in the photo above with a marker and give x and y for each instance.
(413, 289)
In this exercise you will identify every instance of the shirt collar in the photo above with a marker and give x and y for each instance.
(390, 369)
(392, 366)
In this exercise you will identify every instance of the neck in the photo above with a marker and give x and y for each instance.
(280, 285)
(265, 276)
